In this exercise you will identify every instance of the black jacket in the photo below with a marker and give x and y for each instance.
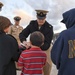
(8, 54)
(46, 29)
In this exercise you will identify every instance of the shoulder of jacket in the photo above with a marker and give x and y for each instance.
(33, 21)
(11, 36)
(48, 25)
(64, 33)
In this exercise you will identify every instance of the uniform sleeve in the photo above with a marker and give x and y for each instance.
(25, 33)
(57, 50)
(48, 39)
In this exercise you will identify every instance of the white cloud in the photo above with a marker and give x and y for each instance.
(12, 8)
(25, 17)
(27, 9)
(56, 8)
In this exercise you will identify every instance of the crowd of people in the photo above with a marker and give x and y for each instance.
(36, 56)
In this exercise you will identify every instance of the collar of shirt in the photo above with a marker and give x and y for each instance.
(39, 27)
(35, 49)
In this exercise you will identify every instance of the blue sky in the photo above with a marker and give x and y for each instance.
(26, 9)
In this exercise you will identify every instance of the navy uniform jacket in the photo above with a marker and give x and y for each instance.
(46, 29)
(63, 51)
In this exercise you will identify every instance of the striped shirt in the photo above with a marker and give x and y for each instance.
(32, 61)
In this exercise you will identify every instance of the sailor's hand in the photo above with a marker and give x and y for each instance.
(26, 44)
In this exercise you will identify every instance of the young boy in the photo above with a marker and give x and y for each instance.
(32, 61)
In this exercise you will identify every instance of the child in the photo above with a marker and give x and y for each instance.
(32, 61)
(8, 49)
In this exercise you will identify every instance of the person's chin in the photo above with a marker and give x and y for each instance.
(40, 24)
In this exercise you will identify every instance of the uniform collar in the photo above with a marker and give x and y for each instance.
(16, 26)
